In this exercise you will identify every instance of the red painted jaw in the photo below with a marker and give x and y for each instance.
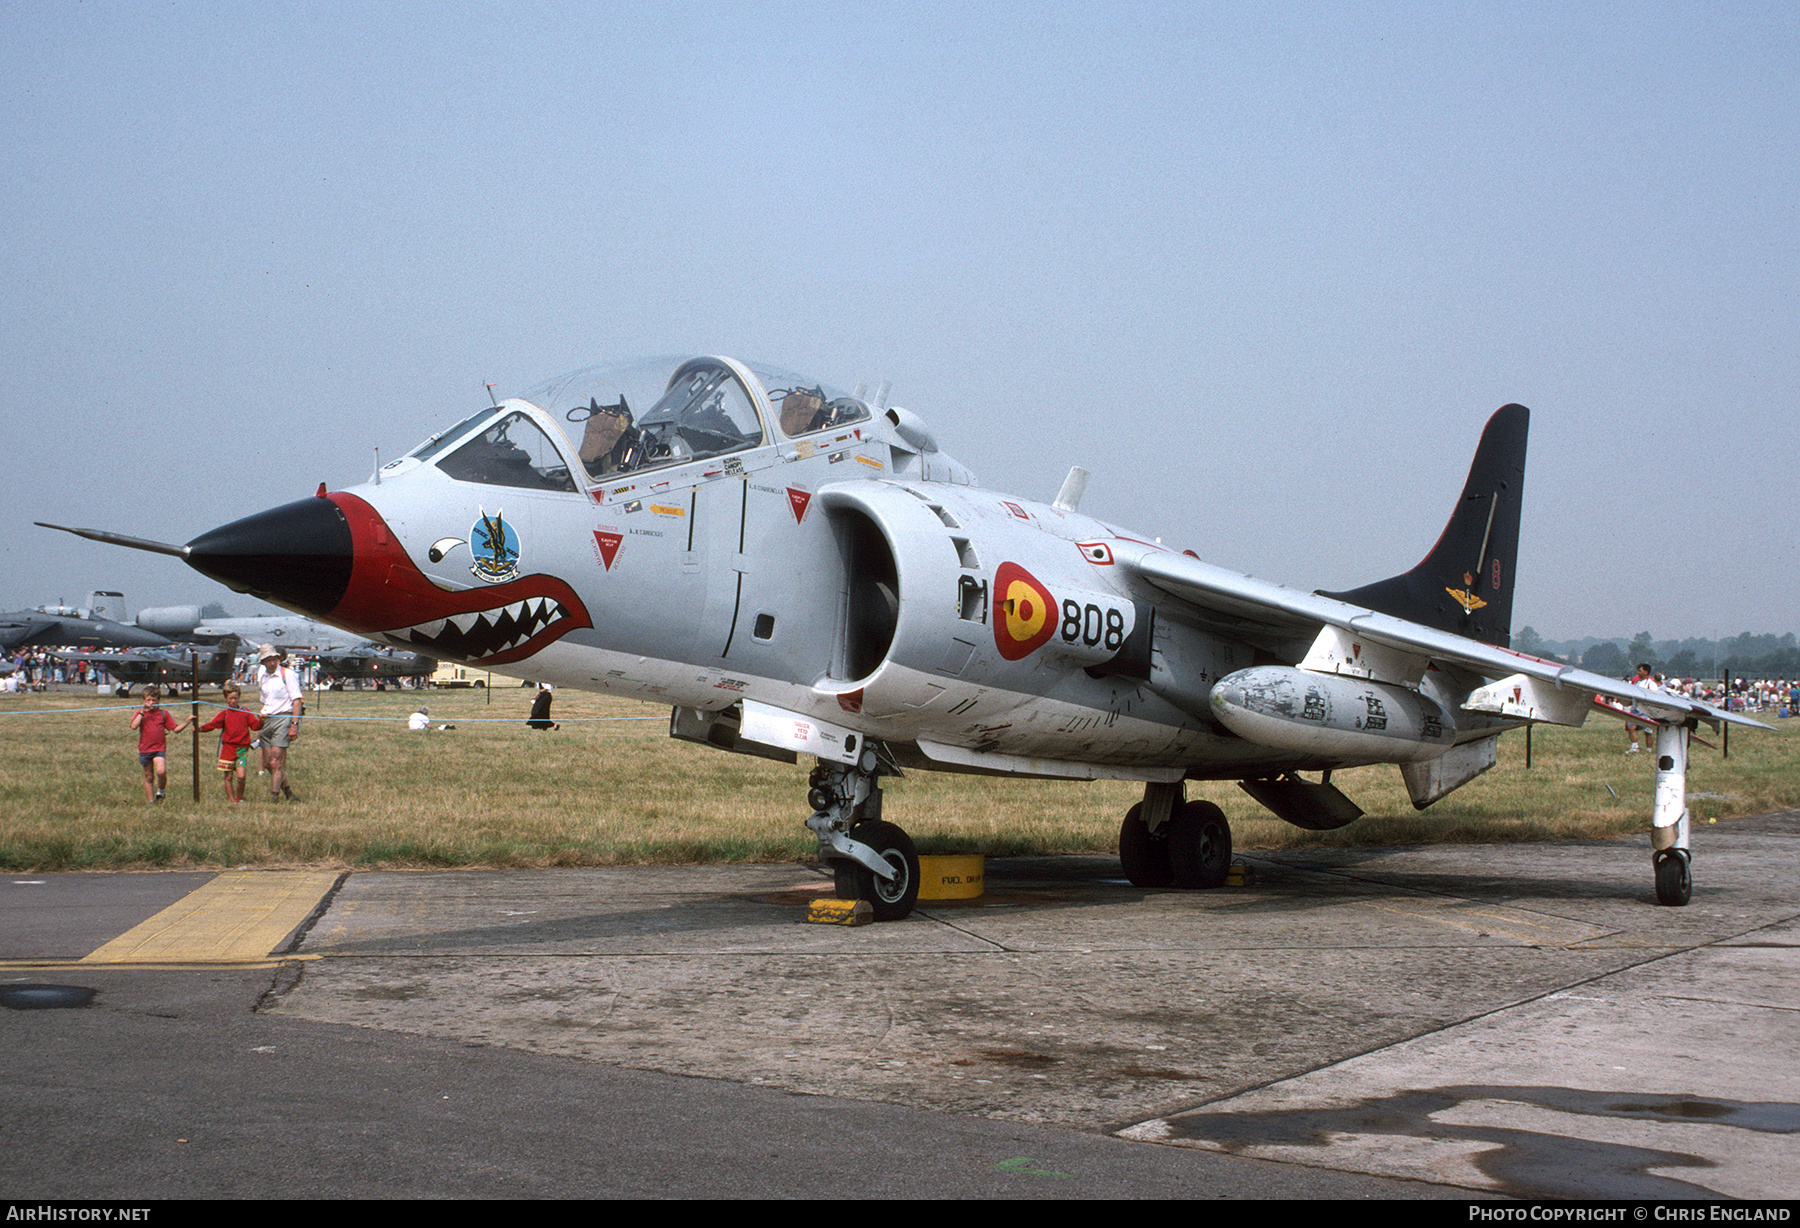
(388, 596)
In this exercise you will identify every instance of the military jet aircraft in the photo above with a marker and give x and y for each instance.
(793, 570)
(58, 626)
(371, 661)
(171, 666)
(288, 631)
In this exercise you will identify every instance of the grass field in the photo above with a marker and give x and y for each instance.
(611, 788)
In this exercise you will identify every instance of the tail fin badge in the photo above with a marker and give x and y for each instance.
(1466, 598)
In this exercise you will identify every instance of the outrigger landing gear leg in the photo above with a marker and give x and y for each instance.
(870, 860)
(1669, 820)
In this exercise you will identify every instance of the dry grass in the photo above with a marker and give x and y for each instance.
(611, 788)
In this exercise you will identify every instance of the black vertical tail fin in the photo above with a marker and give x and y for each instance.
(1465, 585)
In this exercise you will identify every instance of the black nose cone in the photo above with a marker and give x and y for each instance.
(297, 555)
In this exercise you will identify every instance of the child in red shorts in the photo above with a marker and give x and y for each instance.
(235, 725)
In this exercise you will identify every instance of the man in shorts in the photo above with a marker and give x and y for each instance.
(282, 704)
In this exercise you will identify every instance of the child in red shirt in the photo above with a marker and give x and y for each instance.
(235, 725)
(154, 725)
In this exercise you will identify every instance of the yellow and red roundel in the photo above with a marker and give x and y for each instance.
(1024, 612)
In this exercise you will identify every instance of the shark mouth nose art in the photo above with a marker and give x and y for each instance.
(389, 598)
(494, 635)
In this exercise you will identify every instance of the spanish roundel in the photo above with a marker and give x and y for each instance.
(1025, 612)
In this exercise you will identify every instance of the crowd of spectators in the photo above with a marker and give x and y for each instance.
(47, 669)
(40, 669)
(1746, 694)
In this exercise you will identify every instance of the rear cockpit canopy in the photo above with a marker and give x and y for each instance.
(633, 418)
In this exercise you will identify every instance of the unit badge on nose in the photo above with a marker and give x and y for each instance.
(496, 548)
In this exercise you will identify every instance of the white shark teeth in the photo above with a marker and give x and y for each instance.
(477, 634)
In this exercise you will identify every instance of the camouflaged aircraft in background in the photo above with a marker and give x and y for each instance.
(178, 665)
(61, 626)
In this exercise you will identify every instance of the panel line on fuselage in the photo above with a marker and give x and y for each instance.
(737, 602)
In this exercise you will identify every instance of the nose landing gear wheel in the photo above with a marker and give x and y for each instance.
(890, 898)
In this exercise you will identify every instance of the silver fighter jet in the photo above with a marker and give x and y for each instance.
(792, 570)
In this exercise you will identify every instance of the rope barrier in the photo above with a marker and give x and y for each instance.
(461, 720)
(62, 711)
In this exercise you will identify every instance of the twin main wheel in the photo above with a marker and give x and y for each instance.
(1193, 849)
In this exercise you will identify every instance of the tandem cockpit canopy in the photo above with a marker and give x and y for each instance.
(634, 417)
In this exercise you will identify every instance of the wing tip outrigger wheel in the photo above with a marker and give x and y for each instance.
(1674, 877)
(1672, 861)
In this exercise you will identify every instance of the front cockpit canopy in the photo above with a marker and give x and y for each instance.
(512, 452)
(637, 417)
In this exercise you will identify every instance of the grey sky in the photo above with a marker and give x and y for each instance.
(1264, 269)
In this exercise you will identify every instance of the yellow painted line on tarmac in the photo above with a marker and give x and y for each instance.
(237, 918)
(155, 965)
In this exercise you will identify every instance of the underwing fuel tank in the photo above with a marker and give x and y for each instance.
(1332, 715)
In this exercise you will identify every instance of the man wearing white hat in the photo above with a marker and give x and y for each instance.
(281, 697)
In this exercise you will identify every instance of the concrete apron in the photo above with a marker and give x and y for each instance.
(1522, 1019)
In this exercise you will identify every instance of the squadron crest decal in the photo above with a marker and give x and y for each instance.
(495, 546)
(798, 498)
(606, 545)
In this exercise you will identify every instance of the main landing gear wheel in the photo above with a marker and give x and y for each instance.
(1193, 849)
(1674, 877)
(890, 898)
(1199, 843)
(1145, 857)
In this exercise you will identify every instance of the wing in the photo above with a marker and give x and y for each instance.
(1522, 686)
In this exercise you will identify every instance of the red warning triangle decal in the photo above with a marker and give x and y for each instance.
(609, 546)
(798, 499)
